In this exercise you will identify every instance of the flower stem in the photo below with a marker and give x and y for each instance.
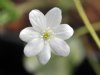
(86, 22)
(93, 60)
(92, 57)
(83, 30)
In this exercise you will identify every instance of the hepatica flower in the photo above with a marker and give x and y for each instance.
(46, 35)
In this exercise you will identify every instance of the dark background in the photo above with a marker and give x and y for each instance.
(11, 55)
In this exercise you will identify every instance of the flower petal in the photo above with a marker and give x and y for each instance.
(45, 54)
(34, 47)
(63, 31)
(37, 19)
(28, 34)
(60, 47)
(54, 17)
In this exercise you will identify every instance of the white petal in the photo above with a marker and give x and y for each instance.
(60, 47)
(45, 54)
(28, 34)
(37, 19)
(54, 17)
(63, 31)
(34, 47)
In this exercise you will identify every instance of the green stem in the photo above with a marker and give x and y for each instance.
(86, 22)
(83, 30)
(94, 62)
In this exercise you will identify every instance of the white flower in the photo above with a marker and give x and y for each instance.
(46, 35)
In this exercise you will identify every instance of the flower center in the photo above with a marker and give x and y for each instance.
(46, 35)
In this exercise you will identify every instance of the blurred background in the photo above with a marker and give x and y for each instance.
(84, 58)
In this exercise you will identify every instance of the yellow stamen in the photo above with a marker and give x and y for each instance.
(46, 35)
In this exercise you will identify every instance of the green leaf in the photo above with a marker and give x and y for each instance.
(4, 18)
